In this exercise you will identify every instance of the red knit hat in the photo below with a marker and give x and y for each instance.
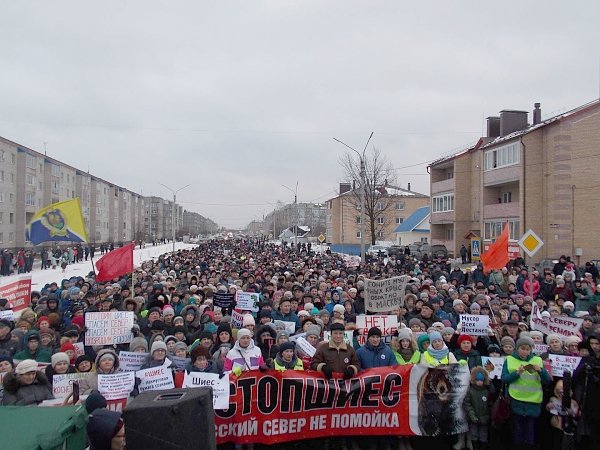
(464, 337)
(79, 321)
(67, 346)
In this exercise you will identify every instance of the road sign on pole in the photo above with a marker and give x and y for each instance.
(530, 242)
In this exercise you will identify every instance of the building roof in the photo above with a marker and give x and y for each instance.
(413, 220)
(392, 191)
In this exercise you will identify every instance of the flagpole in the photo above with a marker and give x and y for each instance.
(132, 270)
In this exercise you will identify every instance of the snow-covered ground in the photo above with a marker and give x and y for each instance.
(40, 277)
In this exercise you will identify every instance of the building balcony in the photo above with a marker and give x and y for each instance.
(442, 217)
(501, 210)
(442, 186)
(503, 175)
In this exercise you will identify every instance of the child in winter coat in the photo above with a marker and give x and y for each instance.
(477, 406)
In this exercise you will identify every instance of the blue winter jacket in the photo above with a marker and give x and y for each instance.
(379, 356)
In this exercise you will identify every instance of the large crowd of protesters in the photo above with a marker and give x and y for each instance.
(175, 316)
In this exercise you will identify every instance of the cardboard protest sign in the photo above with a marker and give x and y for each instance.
(305, 347)
(155, 378)
(493, 365)
(563, 326)
(131, 361)
(560, 363)
(108, 328)
(385, 295)
(7, 314)
(247, 301)
(62, 385)
(223, 299)
(475, 325)
(388, 324)
(237, 319)
(220, 386)
(18, 294)
(116, 386)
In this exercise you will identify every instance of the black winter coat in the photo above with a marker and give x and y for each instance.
(18, 394)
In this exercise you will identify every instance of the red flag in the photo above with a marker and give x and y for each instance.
(116, 263)
(497, 255)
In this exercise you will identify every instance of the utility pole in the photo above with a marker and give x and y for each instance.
(363, 188)
(173, 209)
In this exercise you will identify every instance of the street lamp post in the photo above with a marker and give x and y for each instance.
(173, 209)
(363, 188)
(295, 192)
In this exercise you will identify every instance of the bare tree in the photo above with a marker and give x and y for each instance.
(379, 178)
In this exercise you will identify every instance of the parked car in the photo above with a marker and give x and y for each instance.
(395, 250)
(439, 251)
(377, 250)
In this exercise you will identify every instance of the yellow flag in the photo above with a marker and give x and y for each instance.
(62, 221)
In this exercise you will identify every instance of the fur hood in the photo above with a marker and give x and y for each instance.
(196, 322)
(479, 369)
(103, 352)
(11, 382)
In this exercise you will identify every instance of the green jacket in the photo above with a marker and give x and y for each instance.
(478, 405)
(40, 355)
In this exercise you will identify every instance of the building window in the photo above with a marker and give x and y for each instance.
(12, 178)
(1, 197)
(399, 220)
(30, 179)
(493, 229)
(442, 203)
(380, 206)
(357, 219)
(13, 160)
(449, 233)
(400, 206)
(55, 170)
(2, 175)
(1, 238)
(1, 217)
(11, 218)
(55, 189)
(381, 234)
(29, 199)
(2, 156)
(380, 220)
(450, 174)
(358, 234)
(11, 198)
(30, 162)
(506, 197)
(506, 155)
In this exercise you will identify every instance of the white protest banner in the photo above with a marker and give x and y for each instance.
(385, 295)
(115, 386)
(247, 301)
(305, 346)
(18, 293)
(386, 323)
(563, 326)
(131, 361)
(62, 385)
(295, 337)
(79, 350)
(560, 363)
(474, 325)
(179, 363)
(7, 315)
(540, 349)
(290, 327)
(493, 366)
(352, 260)
(348, 335)
(108, 328)
(155, 378)
(220, 386)
(237, 319)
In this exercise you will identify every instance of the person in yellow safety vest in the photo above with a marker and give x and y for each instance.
(524, 373)
(405, 348)
(437, 353)
(286, 358)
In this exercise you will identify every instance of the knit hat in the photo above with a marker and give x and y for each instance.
(414, 321)
(464, 337)
(179, 345)
(67, 346)
(435, 336)
(158, 345)
(339, 309)
(507, 340)
(25, 366)
(421, 340)
(59, 357)
(475, 307)
(138, 342)
(168, 310)
(525, 341)
(102, 426)
(313, 330)
(447, 330)
(493, 348)
(574, 339)
(248, 320)
(404, 333)
(94, 401)
(457, 302)
(552, 337)
(286, 334)
(243, 332)
(374, 331)
(83, 358)
(568, 305)
(199, 351)
(289, 345)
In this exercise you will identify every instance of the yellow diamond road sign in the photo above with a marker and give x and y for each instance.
(530, 242)
(321, 238)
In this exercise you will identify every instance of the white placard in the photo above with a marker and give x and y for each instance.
(474, 325)
(560, 363)
(493, 365)
(388, 324)
(79, 350)
(62, 384)
(290, 327)
(348, 335)
(132, 361)
(155, 378)
(108, 328)
(237, 319)
(295, 337)
(563, 326)
(115, 386)
(385, 295)
(220, 386)
(305, 346)
(540, 349)
(7, 314)
(247, 301)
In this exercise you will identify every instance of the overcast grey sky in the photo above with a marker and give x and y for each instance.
(238, 98)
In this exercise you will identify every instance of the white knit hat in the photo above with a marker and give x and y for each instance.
(59, 357)
(158, 345)
(25, 366)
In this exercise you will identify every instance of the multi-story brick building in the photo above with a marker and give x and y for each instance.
(343, 215)
(540, 177)
(30, 180)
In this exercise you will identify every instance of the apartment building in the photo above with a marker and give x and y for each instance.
(195, 224)
(30, 180)
(343, 215)
(540, 176)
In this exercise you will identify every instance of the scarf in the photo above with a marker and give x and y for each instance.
(438, 354)
(287, 365)
(406, 353)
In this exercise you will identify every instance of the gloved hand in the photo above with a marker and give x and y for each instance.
(221, 375)
(237, 371)
(263, 368)
(348, 373)
(327, 372)
(462, 362)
